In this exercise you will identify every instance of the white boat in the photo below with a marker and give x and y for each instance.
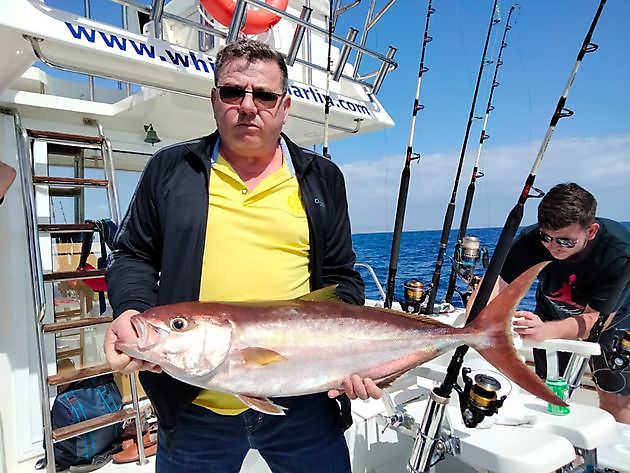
(69, 127)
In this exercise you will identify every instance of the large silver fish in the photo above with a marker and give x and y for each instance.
(274, 349)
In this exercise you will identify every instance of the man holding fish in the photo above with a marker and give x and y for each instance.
(256, 226)
(240, 215)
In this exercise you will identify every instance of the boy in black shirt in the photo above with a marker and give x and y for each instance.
(587, 256)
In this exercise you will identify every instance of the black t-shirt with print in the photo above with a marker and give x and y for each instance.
(566, 287)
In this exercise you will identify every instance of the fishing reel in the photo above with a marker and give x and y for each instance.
(415, 295)
(619, 358)
(468, 254)
(478, 399)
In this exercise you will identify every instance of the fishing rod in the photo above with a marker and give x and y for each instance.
(450, 210)
(476, 174)
(331, 29)
(424, 446)
(406, 173)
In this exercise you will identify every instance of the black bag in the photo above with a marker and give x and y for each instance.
(85, 400)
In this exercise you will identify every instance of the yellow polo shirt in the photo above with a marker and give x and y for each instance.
(256, 249)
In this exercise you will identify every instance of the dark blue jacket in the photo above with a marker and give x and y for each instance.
(162, 237)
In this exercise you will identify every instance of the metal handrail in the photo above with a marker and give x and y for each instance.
(359, 48)
(156, 13)
(185, 21)
(35, 41)
(62, 67)
(37, 277)
(374, 278)
(370, 21)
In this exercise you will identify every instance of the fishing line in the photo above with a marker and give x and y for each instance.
(476, 174)
(463, 42)
(524, 74)
(516, 214)
(406, 172)
(450, 210)
(498, 376)
(616, 323)
(610, 372)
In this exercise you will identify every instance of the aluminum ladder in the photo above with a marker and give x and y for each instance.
(38, 189)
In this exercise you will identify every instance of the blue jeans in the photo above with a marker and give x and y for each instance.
(307, 439)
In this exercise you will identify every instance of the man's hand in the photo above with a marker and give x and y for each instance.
(529, 326)
(7, 175)
(122, 329)
(357, 387)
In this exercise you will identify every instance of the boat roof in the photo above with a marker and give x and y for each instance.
(165, 78)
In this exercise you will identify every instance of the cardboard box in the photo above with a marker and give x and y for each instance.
(122, 380)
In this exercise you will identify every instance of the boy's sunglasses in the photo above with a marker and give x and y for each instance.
(234, 95)
(563, 242)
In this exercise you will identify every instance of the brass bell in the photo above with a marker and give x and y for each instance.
(152, 136)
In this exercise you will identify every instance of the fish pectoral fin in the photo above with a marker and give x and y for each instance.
(325, 294)
(256, 357)
(262, 404)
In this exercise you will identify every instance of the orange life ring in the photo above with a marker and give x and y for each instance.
(256, 21)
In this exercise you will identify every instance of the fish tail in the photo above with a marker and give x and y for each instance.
(493, 325)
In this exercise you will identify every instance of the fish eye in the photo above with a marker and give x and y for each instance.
(179, 324)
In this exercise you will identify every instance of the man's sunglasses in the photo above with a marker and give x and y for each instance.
(563, 242)
(234, 95)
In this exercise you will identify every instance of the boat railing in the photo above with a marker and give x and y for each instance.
(372, 80)
(372, 273)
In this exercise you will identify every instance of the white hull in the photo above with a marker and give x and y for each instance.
(166, 67)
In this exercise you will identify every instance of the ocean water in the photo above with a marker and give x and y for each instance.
(418, 252)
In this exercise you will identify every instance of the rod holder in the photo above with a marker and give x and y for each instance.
(345, 53)
(382, 72)
(427, 439)
(298, 35)
(573, 374)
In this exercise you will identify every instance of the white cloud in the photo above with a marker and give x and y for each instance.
(601, 165)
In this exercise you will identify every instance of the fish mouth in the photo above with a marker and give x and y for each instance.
(138, 326)
(148, 334)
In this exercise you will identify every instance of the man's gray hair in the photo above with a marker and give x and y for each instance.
(252, 51)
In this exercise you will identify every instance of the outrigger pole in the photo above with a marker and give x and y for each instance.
(450, 210)
(406, 173)
(425, 445)
(476, 174)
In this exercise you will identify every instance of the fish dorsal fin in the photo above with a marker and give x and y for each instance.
(325, 294)
(262, 404)
(256, 356)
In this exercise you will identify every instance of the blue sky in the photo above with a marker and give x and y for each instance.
(591, 148)
(543, 45)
